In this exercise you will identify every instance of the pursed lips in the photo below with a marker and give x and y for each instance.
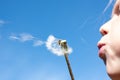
(101, 52)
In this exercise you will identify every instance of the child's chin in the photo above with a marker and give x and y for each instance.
(114, 75)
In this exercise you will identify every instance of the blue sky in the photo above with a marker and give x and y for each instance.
(27, 25)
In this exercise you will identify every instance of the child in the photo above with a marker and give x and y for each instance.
(109, 45)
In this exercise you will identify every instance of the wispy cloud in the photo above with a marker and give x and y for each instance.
(26, 37)
(0, 36)
(52, 45)
(2, 22)
(110, 2)
(38, 43)
(22, 37)
(13, 37)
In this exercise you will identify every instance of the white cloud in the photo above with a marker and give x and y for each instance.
(52, 45)
(110, 2)
(2, 22)
(13, 37)
(38, 43)
(0, 36)
(26, 37)
(21, 37)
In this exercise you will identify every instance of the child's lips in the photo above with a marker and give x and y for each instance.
(101, 52)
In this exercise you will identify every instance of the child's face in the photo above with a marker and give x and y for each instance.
(109, 45)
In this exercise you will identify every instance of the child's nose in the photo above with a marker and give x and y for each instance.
(105, 28)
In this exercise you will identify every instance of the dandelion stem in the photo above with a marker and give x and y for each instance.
(68, 64)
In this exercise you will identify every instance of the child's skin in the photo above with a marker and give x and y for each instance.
(109, 44)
